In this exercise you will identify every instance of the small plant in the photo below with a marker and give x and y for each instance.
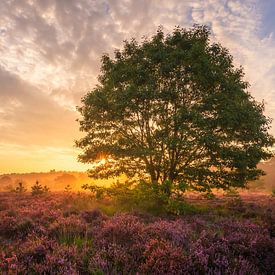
(20, 189)
(46, 189)
(273, 192)
(38, 189)
(68, 188)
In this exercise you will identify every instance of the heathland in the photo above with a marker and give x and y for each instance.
(74, 232)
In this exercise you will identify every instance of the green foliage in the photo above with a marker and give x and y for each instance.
(232, 193)
(143, 197)
(38, 189)
(174, 108)
(273, 192)
(178, 206)
(20, 189)
(78, 241)
(209, 195)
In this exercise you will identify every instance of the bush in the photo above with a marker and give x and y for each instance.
(68, 188)
(69, 230)
(161, 257)
(44, 256)
(209, 195)
(38, 189)
(143, 197)
(12, 227)
(20, 189)
(232, 193)
(36, 238)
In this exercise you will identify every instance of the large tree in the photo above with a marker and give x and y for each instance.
(174, 108)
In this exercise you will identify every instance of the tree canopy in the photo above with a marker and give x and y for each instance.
(174, 108)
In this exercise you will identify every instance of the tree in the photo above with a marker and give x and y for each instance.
(174, 108)
(38, 189)
(20, 189)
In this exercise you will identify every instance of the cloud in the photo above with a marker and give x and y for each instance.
(28, 115)
(50, 54)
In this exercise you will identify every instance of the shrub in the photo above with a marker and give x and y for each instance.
(68, 188)
(161, 257)
(178, 206)
(44, 256)
(36, 238)
(177, 232)
(209, 196)
(232, 193)
(93, 216)
(15, 227)
(38, 189)
(143, 197)
(20, 189)
(8, 263)
(70, 230)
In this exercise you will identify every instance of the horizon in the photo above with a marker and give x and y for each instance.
(49, 61)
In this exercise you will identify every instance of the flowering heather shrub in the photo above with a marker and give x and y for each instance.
(178, 231)
(15, 227)
(237, 240)
(36, 237)
(93, 216)
(162, 257)
(44, 256)
(68, 230)
(8, 263)
(114, 259)
(120, 240)
(122, 229)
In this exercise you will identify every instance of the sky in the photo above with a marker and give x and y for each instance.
(50, 54)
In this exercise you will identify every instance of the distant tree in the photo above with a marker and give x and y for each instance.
(39, 189)
(68, 188)
(20, 189)
(174, 108)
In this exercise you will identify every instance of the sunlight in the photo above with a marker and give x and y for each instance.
(102, 161)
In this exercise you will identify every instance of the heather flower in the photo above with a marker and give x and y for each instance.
(162, 257)
(178, 231)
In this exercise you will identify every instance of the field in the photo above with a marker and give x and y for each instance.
(73, 233)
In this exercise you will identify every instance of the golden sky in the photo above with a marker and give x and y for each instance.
(50, 57)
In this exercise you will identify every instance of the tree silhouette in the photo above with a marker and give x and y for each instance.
(174, 108)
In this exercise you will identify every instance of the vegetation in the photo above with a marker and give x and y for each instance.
(38, 189)
(142, 197)
(175, 112)
(54, 234)
(68, 188)
(172, 115)
(20, 189)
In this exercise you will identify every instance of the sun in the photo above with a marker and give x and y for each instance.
(102, 161)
